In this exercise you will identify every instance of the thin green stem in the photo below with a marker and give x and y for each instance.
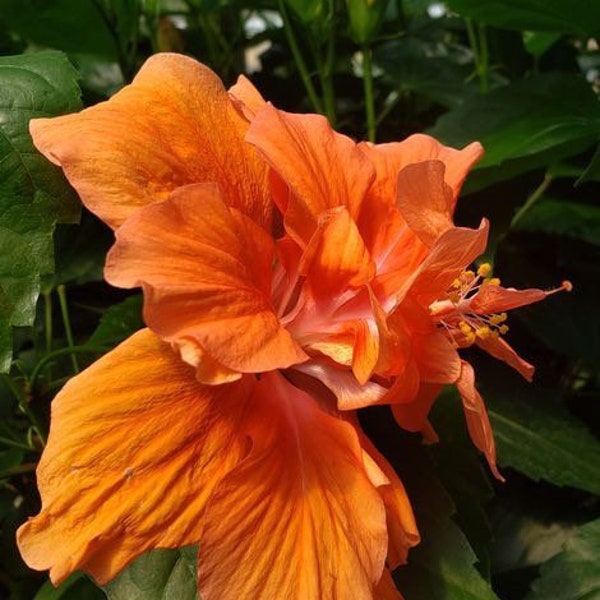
(35, 373)
(368, 89)
(299, 60)
(327, 71)
(48, 320)
(14, 444)
(479, 46)
(484, 60)
(64, 309)
(24, 406)
(533, 198)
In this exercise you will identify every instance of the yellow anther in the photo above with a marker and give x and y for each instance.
(503, 329)
(464, 327)
(456, 283)
(493, 281)
(484, 270)
(469, 337)
(497, 319)
(467, 276)
(483, 332)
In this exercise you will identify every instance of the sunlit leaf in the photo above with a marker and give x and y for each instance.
(537, 436)
(563, 217)
(581, 17)
(158, 575)
(34, 194)
(573, 574)
(524, 125)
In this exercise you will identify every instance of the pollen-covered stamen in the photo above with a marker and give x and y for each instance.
(454, 314)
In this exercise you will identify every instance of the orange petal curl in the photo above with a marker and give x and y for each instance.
(316, 168)
(299, 518)
(136, 449)
(206, 272)
(476, 416)
(174, 125)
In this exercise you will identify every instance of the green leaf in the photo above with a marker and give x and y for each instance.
(430, 69)
(76, 587)
(460, 471)
(524, 125)
(563, 217)
(74, 26)
(442, 565)
(573, 574)
(34, 194)
(118, 323)
(536, 435)
(158, 575)
(581, 17)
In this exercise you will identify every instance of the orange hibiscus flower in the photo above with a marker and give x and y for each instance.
(290, 277)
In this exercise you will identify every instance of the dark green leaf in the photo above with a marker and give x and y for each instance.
(462, 475)
(34, 194)
(158, 575)
(524, 125)
(442, 565)
(581, 17)
(118, 323)
(537, 436)
(563, 217)
(573, 574)
(75, 26)
(428, 69)
(77, 587)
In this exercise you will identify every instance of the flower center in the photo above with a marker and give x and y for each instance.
(454, 314)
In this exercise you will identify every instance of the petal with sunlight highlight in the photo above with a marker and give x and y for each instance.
(390, 158)
(299, 518)
(321, 169)
(206, 272)
(136, 449)
(425, 200)
(173, 126)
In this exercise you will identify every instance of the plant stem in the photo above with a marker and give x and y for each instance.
(14, 444)
(533, 198)
(62, 352)
(478, 43)
(24, 406)
(64, 309)
(368, 89)
(300, 64)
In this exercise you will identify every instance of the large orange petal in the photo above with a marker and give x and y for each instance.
(299, 519)
(206, 272)
(321, 169)
(135, 451)
(174, 125)
(476, 416)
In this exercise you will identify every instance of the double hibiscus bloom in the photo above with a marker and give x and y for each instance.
(291, 276)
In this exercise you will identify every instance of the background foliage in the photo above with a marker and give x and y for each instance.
(521, 78)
